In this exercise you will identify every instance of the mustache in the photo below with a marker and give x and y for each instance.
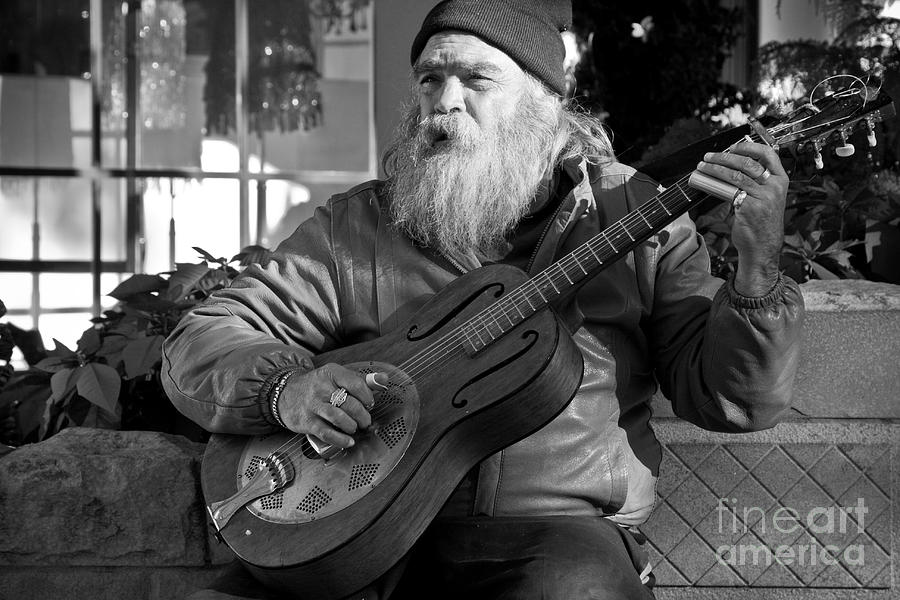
(459, 128)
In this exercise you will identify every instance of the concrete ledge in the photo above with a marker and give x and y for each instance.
(850, 366)
(122, 583)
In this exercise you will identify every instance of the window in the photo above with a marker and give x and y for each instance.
(133, 130)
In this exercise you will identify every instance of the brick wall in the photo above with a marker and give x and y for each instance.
(804, 510)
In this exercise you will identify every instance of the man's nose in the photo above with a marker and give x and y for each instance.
(450, 97)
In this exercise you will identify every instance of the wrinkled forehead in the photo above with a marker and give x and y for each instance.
(464, 51)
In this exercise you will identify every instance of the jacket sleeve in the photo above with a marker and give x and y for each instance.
(220, 363)
(725, 361)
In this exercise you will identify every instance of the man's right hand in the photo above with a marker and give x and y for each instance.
(305, 404)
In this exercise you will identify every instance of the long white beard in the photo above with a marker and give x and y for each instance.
(468, 191)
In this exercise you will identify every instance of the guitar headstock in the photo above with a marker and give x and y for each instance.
(831, 120)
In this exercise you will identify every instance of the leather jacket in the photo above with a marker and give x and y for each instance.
(725, 361)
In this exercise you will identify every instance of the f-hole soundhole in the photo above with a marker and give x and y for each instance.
(530, 335)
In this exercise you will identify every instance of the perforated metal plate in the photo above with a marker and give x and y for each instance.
(323, 487)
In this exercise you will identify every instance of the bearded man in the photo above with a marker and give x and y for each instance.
(491, 165)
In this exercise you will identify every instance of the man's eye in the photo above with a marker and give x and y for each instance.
(426, 79)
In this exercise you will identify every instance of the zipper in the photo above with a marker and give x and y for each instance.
(547, 227)
(453, 262)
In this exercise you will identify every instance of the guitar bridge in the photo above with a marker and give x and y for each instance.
(273, 474)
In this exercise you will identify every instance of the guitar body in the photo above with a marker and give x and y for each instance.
(343, 522)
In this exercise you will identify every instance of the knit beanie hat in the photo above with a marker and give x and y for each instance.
(526, 30)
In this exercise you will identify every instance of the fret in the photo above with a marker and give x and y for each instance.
(466, 332)
(597, 258)
(603, 235)
(553, 284)
(480, 339)
(528, 300)
(640, 212)
(518, 310)
(487, 326)
(626, 231)
(565, 274)
(540, 293)
(578, 262)
(683, 193)
(505, 314)
(663, 206)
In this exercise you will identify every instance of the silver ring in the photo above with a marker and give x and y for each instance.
(764, 176)
(738, 199)
(338, 397)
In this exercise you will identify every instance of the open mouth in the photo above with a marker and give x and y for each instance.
(440, 139)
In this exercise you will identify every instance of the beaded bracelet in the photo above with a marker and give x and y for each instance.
(275, 394)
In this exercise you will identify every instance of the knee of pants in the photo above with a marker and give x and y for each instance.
(561, 579)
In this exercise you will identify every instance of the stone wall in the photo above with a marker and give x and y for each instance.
(804, 510)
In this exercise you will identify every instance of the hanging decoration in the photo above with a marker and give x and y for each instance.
(338, 15)
(161, 51)
(282, 69)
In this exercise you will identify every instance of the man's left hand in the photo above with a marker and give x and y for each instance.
(758, 229)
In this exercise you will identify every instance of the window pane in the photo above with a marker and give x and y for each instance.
(309, 82)
(66, 327)
(17, 198)
(186, 80)
(112, 219)
(66, 290)
(64, 215)
(45, 83)
(193, 213)
(288, 203)
(15, 291)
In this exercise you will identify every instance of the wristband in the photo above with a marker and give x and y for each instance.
(275, 394)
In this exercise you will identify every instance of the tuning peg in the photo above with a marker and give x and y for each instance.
(817, 157)
(870, 126)
(845, 150)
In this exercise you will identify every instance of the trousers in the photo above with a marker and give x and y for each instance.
(506, 558)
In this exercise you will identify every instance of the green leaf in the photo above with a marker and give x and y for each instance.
(89, 342)
(62, 384)
(185, 277)
(54, 364)
(99, 384)
(138, 284)
(61, 350)
(141, 355)
(205, 254)
(149, 302)
(100, 419)
(252, 254)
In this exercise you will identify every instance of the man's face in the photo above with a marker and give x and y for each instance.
(458, 72)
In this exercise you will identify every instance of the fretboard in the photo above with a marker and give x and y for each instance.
(578, 266)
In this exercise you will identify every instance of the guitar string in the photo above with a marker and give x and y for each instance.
(454, 340)
(431, 355)
(586, 251)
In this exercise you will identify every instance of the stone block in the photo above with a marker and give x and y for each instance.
(804, 507)
(60, 583)
(105, 498)
(120, 583)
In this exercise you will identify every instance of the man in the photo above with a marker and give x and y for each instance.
(490, 165)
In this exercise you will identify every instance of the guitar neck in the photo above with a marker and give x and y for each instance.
(580, 265)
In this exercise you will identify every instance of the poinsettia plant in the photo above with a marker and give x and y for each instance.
(111, 378)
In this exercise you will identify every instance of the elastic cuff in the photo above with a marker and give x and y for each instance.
(271, 389)
(773, 296)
